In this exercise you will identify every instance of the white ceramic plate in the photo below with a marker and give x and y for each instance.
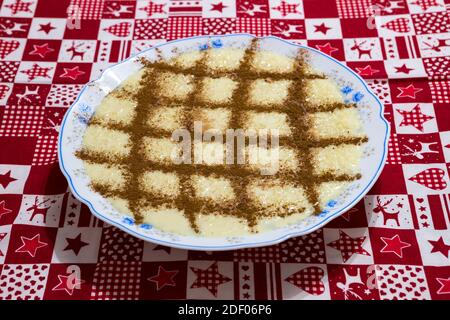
(353, 87)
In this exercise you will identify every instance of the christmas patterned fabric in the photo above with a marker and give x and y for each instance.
(394, 244)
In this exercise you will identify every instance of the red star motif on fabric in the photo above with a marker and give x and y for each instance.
(153, 8)
(6, 179)
(47, 27)
(37, 71)
(327, 48)
(72, 73)
(209, 278)
(408, 92)
(287, 8)
(445, 285)
(394, 245)
(68, 283)
(414, 117)
(426, 4)
(164, 278)
(367, 70)
(19, 6)
(348, 246)
(321, 28)
(41, 50)
(440, 246)
(3, 209)
(403, 69)
(31, 245)
(2, 236)
(75, 244)
(163, 248)
(218, 6)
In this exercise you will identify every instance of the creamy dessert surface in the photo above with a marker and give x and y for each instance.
(129, 154)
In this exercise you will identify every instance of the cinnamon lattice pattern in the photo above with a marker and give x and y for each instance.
(144, 133)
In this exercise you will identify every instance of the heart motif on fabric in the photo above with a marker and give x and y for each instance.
(432, 178)
(3, 90)
(309, 280)
(7, 47)
(398, 25)
(402, 282)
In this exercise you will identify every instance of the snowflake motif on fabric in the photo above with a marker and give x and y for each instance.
(414, 117)
(309, 280)
(432, 178)
(37, 71)
(400, 25)
(209, 278)
(348, 246)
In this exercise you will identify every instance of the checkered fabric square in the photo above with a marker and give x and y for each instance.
(45, 152)
(257, 26)
(21, 121)
(350, 9)
(87, 9)
(116, 280)
(394, 156)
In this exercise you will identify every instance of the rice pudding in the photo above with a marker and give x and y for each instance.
(132, 158)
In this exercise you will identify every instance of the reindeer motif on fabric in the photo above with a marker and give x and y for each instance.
(437, 44)
(291, 28)
(358, 47)
(252, 9)
(118, 12)
(382, 207)
(419, 153)
(75, 52)
(391, 5)
(37, 210)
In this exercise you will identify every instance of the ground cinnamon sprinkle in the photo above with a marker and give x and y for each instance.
(240, 176)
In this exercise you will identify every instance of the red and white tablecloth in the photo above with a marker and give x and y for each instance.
(394, 244)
